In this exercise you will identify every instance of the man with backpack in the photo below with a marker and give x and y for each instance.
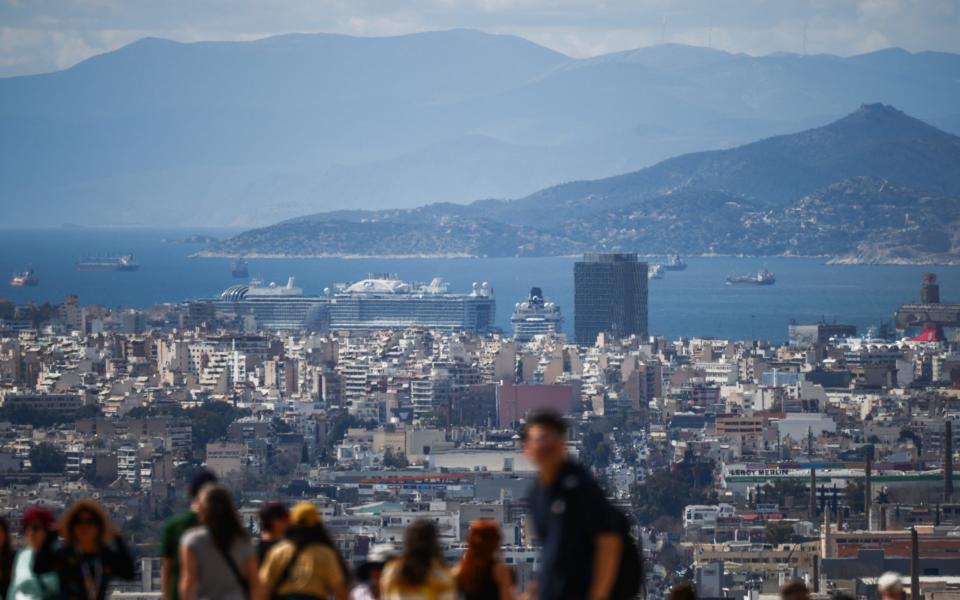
(587, 551)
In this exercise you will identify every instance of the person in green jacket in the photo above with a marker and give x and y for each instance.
(37, 523)
(173, 530)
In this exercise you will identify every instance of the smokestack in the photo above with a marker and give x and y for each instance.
(812, 509)
(914, 565)
(816, 573)
(947, 462)
(868, 486)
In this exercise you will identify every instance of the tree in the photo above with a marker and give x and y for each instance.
(395, 461)
(666, 492)
(596, 451)
(779, 532)
(47, 458)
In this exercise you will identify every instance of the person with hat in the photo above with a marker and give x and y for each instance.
(36, 524)
(306, 564)
(369, 572)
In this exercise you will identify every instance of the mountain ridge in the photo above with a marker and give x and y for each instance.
(874, 185)
(259, 131)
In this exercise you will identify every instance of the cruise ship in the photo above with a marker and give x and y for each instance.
(271, 306)
(125, 262)
(655, 272)
(535, 317)
(384, 301)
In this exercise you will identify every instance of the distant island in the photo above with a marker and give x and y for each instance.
(876, 186)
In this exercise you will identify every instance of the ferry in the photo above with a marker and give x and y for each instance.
(761, 277)
(674, 263)
(239, 270)
(125, 262)
(25, 278)
(655, 272)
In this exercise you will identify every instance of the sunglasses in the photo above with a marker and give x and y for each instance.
(87, 521)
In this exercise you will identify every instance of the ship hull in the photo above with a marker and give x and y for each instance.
(106, 268)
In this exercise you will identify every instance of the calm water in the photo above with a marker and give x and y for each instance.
(684, 303)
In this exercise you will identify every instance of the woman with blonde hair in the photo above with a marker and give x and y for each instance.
(481, 575)
(419, 572)
(91, 555)
(305, 565)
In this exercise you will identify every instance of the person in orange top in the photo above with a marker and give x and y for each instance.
(481, 575)
(419, 572)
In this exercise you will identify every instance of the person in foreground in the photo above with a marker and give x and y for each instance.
(305, 565)
(274, 521)
(481, 575)
(36, 524)
(419, 572)
(91, 555)
(579, 530)
(173, 531)
(368, 574)
(889, 586)
(6, 558)
(217, 559)
(795, 590)
(683, 591)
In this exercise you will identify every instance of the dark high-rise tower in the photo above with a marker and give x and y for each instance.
(610, 295)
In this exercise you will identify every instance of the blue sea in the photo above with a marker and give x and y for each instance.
(694, 302)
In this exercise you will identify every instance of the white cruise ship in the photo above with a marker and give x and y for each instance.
(535, 317)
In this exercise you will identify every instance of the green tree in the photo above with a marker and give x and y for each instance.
(595, 451)
(47, 458)
(666, 492)
(779, 532)
(395, 460)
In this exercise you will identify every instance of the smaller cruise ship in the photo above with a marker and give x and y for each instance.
(655, 272)
(239, 270)
(535, 317)
(674, 263)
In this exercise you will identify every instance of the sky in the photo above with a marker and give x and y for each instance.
(47, 35)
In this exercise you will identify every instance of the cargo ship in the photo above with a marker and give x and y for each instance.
(25, 278)
(125, 262)
(674, 263)
(761, 277)
(239, 269)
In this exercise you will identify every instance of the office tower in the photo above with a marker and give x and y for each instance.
(610, 296)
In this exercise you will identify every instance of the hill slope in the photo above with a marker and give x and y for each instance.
(259, 131)
(876, 185)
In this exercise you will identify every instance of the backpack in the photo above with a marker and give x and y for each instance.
(630, 575)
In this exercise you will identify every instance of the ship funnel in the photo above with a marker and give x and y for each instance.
(290, 283)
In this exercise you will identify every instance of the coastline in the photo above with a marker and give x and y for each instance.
(829, 260)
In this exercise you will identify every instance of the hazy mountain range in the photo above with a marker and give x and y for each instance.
(250, 133)
(874, 186)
